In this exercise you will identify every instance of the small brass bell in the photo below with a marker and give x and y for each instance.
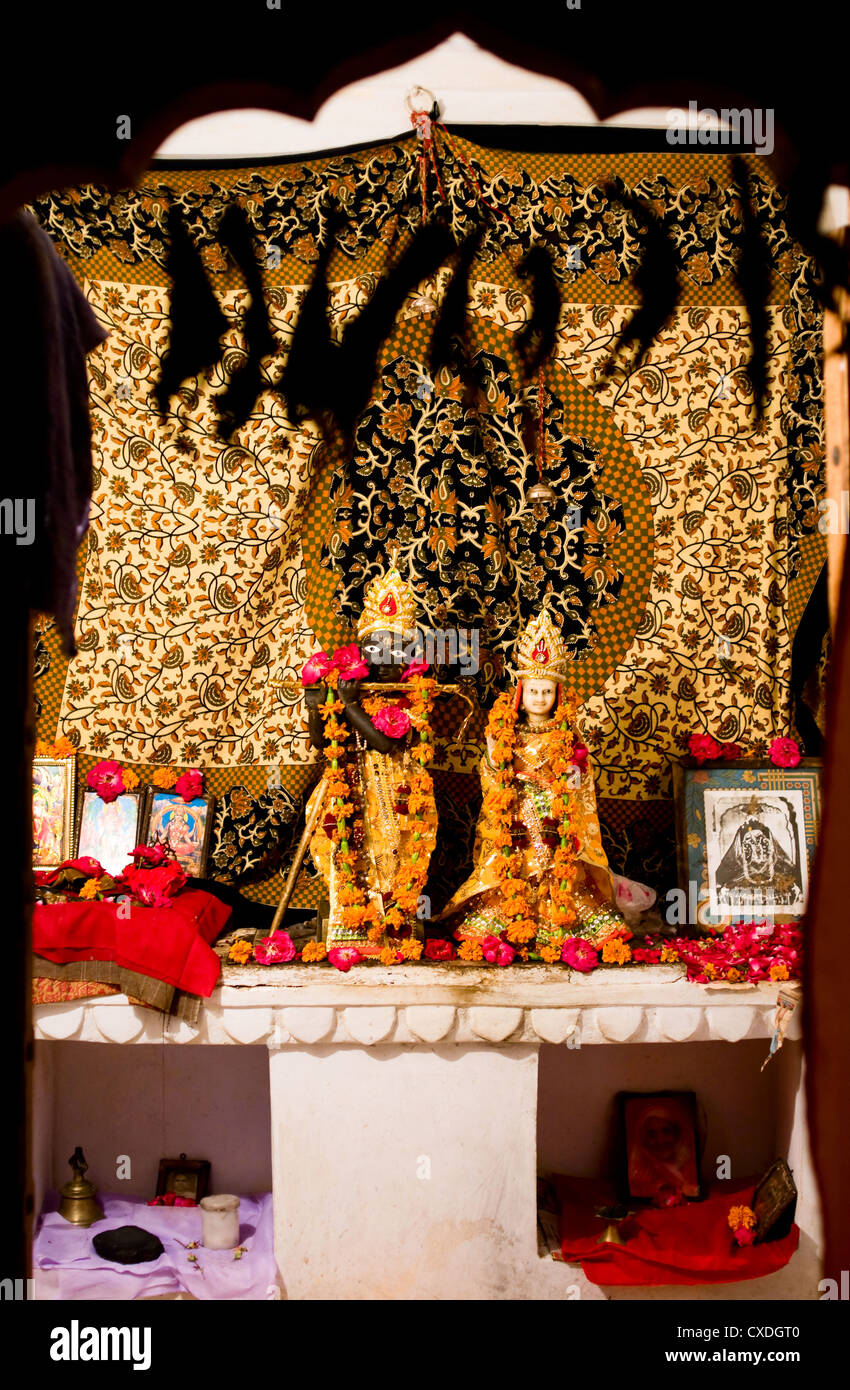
(541, 496)
(78, 1203)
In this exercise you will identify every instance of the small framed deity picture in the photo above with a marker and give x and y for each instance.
(661, 1147)
(110, 830)
(185, 826)
(746, 836)
(775, 1201)
(53, 782)
(185, 1177)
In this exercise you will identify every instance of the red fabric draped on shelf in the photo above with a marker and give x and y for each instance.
(690, 1244)
(167, 943)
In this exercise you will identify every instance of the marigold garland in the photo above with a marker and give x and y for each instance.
(410, 878)
(313, 952)
(501, 805)
(741, 1217)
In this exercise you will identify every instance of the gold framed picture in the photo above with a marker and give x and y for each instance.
(53, 786)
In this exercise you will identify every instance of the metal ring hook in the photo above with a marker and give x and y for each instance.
(415, 94)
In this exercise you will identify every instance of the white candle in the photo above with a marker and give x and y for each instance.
(220, 1222)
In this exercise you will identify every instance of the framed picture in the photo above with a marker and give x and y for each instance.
(183, 825)
(53, 783)
(185, 1177)
(775, 1201)
(746, 837)
(110, 830)
(661, 1146)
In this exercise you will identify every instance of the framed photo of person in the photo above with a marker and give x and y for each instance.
(53, 784)
(185, 826)
(661, 1147)
(110, 830)
(185, 1177)
(746, 836)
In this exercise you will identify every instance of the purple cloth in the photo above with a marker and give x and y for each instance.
(78, 1273)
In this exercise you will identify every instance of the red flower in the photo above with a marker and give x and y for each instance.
(579, 756)
(439, 950)
(107, 780)
(784, 752)
(646, 955)
(92, 867)
(578, 954)
(392, 721)
(316, 668)
(350, 663)
(343, 957)
(744, 1236)
(152, 855)
(730, 751)
(190, 785)
(504, 953)
(276, 949)
(155, 887)
(704, 748)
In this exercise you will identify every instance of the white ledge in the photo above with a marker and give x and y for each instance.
(428, 1005)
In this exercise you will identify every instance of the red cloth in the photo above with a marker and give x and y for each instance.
(690, 1244)
(167, 943)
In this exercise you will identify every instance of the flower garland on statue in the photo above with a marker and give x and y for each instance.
(343, 826)
(501, 807)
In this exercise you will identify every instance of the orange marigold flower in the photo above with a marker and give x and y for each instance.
(389, 956)
(314, 951)
(741, 1216)
(470, 950)
(129, 778)
(521, 931)
(669, 956)
(393, 918)
(165, 777)
(353, 916)
(42, 748)
(89, 889)
(375, 932)
(779, 971)
(64, 748)
(551, 954)
(410, 948)
(240, 952)
(616, 952)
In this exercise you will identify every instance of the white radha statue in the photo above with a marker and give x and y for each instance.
(540, 874)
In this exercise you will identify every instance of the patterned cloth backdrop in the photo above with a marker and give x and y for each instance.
(679, 555)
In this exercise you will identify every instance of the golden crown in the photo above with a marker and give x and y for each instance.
(541, 651)
(389, 605)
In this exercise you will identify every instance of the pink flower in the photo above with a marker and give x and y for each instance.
(646, 955)
(107, 780)
(416, 668)
(316, 668)
(668, 1196)
(744, 1236)
(490, 946)
(784, 752)
(350, 663)
(703, 747)
(578, 954)
(504, 953)
(152, 855)
(190, 785)
(579, 756)
(392, 721)
(343, 957)
(276, 949)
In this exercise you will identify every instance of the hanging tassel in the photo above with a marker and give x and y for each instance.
(197, 322)
(247, 382)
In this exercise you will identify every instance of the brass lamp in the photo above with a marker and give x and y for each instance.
(78, 1204)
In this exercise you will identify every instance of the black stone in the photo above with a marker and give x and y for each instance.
(127, 1245)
